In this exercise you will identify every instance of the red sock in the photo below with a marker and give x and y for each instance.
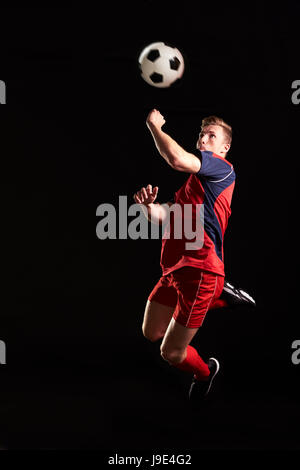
(193, 363)
(219, 303)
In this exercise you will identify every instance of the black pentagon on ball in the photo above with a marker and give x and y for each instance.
(174, 63)
(153, 55)
(156, 77)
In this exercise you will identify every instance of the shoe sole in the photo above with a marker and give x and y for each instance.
(216, 371)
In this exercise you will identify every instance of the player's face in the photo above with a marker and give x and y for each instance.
(211, 138)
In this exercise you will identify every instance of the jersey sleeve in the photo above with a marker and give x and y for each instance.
(214, 168)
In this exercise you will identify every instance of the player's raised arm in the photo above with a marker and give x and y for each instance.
(168, 148)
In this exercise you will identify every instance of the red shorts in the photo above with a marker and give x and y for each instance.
(190, 291)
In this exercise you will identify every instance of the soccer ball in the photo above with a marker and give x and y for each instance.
(161, 65)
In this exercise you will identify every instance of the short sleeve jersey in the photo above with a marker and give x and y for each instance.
(210, 190)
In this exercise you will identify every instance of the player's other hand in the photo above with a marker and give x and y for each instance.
(146, 196)
(155, 119)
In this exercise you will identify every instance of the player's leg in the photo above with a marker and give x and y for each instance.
(156, 320)
(159, 309)
(196, 291)
(176, 350)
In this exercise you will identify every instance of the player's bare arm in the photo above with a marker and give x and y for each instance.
(155, 213)
(169, 149)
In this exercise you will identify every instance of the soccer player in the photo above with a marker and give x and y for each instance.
(192, 276)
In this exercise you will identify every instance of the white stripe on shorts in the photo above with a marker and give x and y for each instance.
(195, 299)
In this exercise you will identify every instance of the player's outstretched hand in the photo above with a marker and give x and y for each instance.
(146, 195)
(155, 119)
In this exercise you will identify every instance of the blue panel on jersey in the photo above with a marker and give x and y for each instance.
(213, 167)
(216, 176)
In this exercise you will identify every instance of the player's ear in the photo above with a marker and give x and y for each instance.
(226, 147)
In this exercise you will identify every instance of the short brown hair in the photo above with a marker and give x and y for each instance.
(216, 121)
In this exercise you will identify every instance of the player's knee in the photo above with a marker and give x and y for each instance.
(151, 335)
(173, 356)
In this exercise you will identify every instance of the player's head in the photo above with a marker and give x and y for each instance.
(215, 136)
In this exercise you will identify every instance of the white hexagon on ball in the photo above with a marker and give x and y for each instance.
(161, 65)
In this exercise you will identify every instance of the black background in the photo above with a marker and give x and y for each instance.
(79, 374)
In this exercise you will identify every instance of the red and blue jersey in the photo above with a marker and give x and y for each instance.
(213, 187)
